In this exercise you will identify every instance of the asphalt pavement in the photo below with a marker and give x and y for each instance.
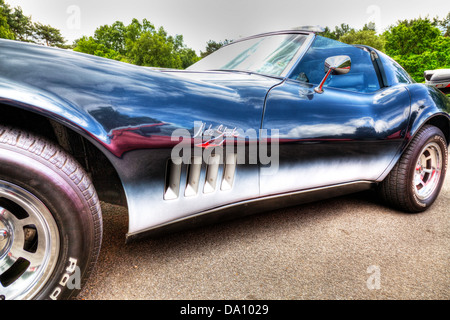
(350, 247)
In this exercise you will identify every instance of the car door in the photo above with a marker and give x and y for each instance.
(351, 132)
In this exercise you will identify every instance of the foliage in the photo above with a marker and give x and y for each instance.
(5, 30)
(212, 46)
(112, 37)
(444, 25)
(366, 37)
(51, 36)
(338, 32)
(417, 45)
(90, 46)
(411, 37)
(139, 43)
(14, 24)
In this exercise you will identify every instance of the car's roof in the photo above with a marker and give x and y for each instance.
(271, 33)
(313, 31)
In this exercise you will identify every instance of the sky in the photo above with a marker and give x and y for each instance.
(202, 20)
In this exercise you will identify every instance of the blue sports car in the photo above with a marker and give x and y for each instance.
(271, 120)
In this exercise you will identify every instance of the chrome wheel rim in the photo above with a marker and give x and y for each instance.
(29, 243)
(428, 170)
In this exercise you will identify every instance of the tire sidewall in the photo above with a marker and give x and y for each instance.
(71, 214)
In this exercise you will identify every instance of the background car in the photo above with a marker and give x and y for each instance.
(272, 120)
(439, 78)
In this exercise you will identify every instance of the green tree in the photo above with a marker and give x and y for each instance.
(411, 37)
(327, 33)
(188, 57)
(5, 31)
(21, 25)
(112, 37)
(90, 46)
(338, 31)
(365, 37)
(418, 45)
(49, 35)
(138, 43)
(342, 30)
(443, 24)
(437, 57)
(14, 24)
(212, 46)
(370, 26)
(153, 49)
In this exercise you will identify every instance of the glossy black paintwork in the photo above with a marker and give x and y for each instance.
(334, 137)
(130, 113)
(427, 103)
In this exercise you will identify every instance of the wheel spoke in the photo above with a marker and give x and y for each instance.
(427, 171)
(35, 259)
(418, 180)
(30, 243)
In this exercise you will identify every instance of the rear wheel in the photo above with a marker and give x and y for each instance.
(50, 219)
(416, 180)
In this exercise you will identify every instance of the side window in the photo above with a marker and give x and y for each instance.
(361, 78)
(394, 72)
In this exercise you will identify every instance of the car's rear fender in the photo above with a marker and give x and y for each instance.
(428, 106)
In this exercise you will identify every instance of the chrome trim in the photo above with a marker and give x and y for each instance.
(337, 65)
(173, 178)
(427, 174)
(40, 261)
(229, 172)
(298, 56)
(193, 177)
(272, 33)
(212, 172)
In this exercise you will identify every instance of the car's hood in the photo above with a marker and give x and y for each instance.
(101, 95)
(235, 80)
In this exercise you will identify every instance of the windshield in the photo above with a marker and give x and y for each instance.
(268, 55)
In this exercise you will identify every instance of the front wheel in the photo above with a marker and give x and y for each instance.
(416, 180)
(50, 219)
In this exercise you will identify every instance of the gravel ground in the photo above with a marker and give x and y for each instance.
(334, 249)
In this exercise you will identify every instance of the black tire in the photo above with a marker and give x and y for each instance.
(408, 187)
(45, 192)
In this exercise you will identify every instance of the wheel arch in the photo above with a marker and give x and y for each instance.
(439, 120)
(428, 107)
(442, 122)
(74, 141)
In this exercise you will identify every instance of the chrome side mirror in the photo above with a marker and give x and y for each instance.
(334, 65)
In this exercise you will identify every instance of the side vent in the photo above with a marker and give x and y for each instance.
(193, 173)
(229, 172)
(193, 177)
(212, 171)
(173, 177)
